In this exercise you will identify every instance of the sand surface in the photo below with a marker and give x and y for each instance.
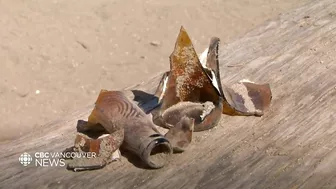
(56, 55)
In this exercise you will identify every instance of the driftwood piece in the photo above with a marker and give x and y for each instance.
(292, 146)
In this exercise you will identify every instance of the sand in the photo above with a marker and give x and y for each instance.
(57, 55)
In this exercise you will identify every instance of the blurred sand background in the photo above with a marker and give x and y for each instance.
(56, 55)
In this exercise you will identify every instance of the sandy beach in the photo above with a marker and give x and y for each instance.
(57, 55)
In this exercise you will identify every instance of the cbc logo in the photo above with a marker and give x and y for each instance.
(25, 159)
